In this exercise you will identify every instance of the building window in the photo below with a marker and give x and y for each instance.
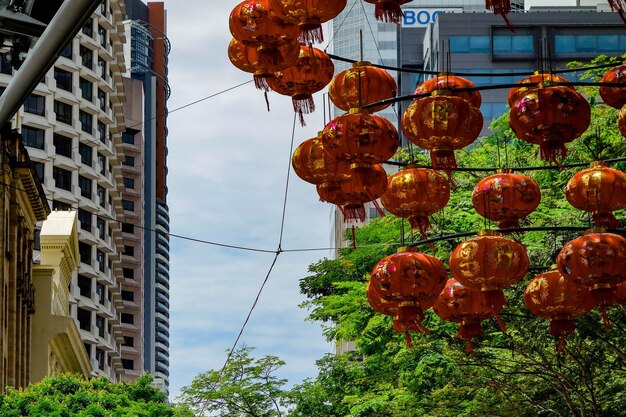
(86, 57)
(127, 318)
(102, 66)
(84, 184)
(39, 170)
(60, 206)
(128, 273)
(101, 226)
(86, 154)
(86, 122)
(62, 145)
(84, 319)
(129, 250)
(128, 137)
(128, 364)
(102, 100)
(129, 183)
(63, 112)
(102, 161)
(63, 79)
(100, 292)
(128, 205)
(100, 259)
(84, 285)
(88, 27)
(100, 358)
(84, 217)
(103, 8)
(102, 132)
(35, 104)
(62, 178)
(129, 161)
(84, 249)
(476, 44)
(513, 44)
(67, 51)
(102, 34)
(33, 137)
(128, 341)
(86, 88)
(101, 196)
(100, 325)
(128, 295)
(128, 228)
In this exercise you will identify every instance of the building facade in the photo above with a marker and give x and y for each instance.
(147, 57)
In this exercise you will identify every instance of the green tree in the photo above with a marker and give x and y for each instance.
(72, 396)
(508, 374)
(246, 387)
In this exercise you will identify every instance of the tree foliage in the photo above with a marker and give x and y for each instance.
(72, 396)
(517, 373)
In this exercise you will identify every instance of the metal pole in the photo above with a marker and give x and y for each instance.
(65, 24)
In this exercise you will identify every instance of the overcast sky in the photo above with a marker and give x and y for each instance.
(228, 161)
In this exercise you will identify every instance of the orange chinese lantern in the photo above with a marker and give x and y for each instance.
(614, 96)
(254, 23)
(312, 72)
(552, 296)
(360, 137)
(489, 263)
(412, 280)
(506, 198)
(450, 83)
(367, 183)
(461, 304)
(416, 193)
(600, 190)
(550, 117)
(621, 121)
(388, 10)
(595, 260)
(441, 124)
(315, 166)
(360, 85)
(539, 79)
(250, 59)
(309, 15)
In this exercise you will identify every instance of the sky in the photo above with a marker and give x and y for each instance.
(228, 162)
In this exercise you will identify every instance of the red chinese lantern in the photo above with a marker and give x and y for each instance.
(441, 124)
(309, 15)
(600, 190)
(538, 79)
(312, 72)
(450, 83)
(506, 197)
(315, 166)
(388, 10)
(254, 23)
(250, 59)
(412, 280)
(489, 263)
(552, 296)
(621, 121)
(461, 304)
(550, 117)
(367, 183)
(595, 260)
(416, 193)
(614, 96)
(360, 85)
(360, 138)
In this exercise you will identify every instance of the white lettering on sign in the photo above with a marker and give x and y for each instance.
(418, 18)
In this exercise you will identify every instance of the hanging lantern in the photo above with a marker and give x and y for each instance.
(412, 280)
(254, 23)
(309, 15)
(315, 166)
(312, 72)
(599, 190)
(489, 263)
(552, 296)
(550, 117)
(595, 260)
(360, 85)
(367, 183)
(388, 10)
(360, 138)
(506, 197)
(416, 193)
(621, 121)
(539, 79)
(450, 83)
(614, 96)
(250, 59)
(441, 124)
(461, 304)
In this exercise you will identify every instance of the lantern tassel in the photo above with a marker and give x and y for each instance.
(553, 151)
(388, 11)
(422, 223)
(604, 297)
(605, 317)
(407, 338)
(379, 210)
(260, 82)
(495, 300)
(311, 32)
(353, 212)
(561, 327)
(607, 220)
(468, 330)
(561, 345)
(303, 104)
(510, 224)
(267, 101)
(502, 8)
(443, 159)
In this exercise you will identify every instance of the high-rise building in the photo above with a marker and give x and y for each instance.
(72, 125)
(147, 59)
